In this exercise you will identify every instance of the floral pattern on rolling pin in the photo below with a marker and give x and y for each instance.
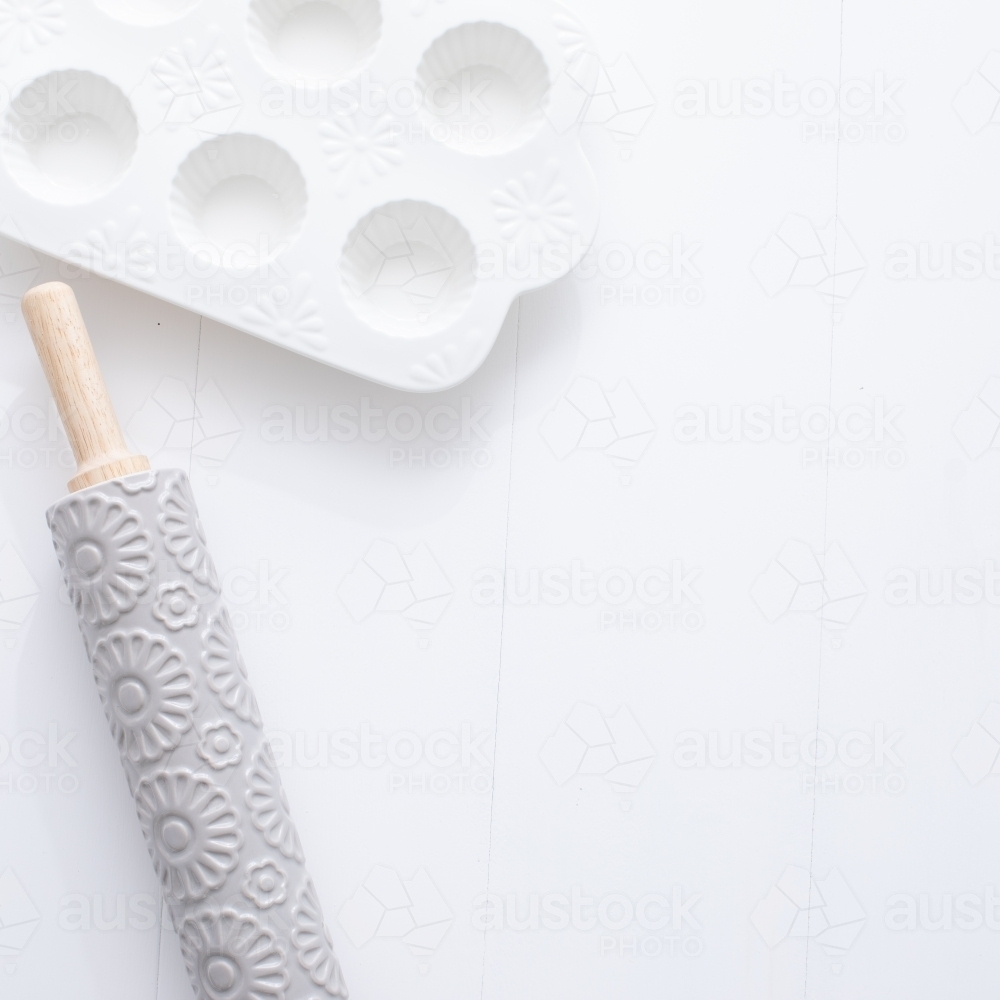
(313, 945)
(182, 711)
(265, 883)
(229, 955)
(176, 606)
(183, 534)
(191, 829)
(269, 806)
(221, 746)
(147, 691)
(105, 554)
(227, 673)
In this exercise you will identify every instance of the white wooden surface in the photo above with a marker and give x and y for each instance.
(898, 692)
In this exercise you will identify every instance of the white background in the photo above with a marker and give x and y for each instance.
(908, 832)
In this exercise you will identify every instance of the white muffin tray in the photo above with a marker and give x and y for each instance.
(262, 163)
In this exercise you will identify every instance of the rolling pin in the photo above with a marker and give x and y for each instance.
(177, 697)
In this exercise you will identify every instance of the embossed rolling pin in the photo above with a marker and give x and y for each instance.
(177, 698)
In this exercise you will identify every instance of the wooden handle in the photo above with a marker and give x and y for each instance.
(67, 355)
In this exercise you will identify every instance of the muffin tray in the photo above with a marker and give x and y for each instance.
(367, 184)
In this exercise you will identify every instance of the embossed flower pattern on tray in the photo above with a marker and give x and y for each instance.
(312, 942)
(176, 606)
(229, 956)
(105, 554)
(292, 315)
(265, 883)
(221, 746)
(227, 673)
(269, 806)
(147, 691)
(27, 24)
(191, 829)
(534, 209)
(359, 148)
(183, 535)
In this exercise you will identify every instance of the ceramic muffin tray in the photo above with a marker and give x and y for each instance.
(367, 184)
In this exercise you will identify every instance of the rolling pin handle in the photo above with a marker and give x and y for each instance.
(67, 355)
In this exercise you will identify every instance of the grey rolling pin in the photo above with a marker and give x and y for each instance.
(177, 698)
